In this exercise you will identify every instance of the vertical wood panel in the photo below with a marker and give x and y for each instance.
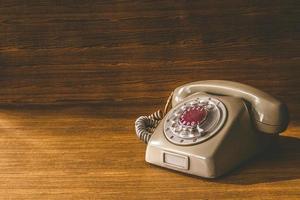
(138, 51)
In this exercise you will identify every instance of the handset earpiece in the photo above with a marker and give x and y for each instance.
(270, 114)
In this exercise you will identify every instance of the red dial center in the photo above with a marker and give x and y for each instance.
(193, 116)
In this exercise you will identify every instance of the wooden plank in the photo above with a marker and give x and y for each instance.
(77, 152)
(53, 52)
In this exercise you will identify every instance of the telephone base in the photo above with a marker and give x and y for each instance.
(235, 143)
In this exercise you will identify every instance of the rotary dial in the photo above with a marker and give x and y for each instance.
(194, 121)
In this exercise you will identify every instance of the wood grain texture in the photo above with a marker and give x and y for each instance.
(138, 51)
(74, 75)
(76, 152)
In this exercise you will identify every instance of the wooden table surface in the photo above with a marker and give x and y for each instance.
(79, 152)
(74, 76)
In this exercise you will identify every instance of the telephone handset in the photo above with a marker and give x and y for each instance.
(211, 128)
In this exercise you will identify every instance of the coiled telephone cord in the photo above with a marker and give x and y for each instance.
(146, 125)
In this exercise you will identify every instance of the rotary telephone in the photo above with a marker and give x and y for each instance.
(211, 128)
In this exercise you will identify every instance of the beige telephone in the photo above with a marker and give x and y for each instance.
(212, 127)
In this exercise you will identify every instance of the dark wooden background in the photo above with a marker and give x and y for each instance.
(74, 75)
(136, 52)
